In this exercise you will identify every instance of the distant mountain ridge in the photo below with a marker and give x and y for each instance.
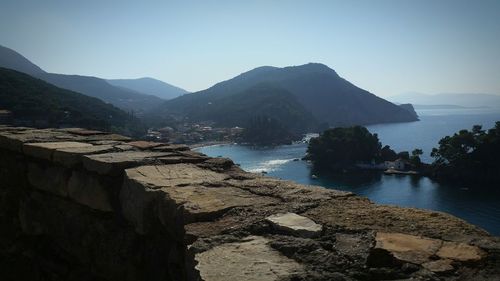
(13, 60)
(34, 102)
(466, 100)
(124, 98)
(316, 88)
(150, 86)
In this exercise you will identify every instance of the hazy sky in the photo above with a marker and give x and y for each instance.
(386, 47)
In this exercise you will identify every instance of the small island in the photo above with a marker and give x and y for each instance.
(355, 148)
(466, 157)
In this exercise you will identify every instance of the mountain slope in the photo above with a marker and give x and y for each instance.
(34, 102)
(259, 100)
(316, 87)
(13, 60)
(149, 86)
(91, 86)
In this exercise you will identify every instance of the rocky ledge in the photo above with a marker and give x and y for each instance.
(77, 204)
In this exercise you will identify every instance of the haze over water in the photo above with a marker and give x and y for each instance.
(476, 204)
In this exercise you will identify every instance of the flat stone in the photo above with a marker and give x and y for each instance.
(252, 259)
(196, 193)
(115, 162)
(295, 224)
(89, 191)
(72, 156)
(144, 144)
(461, 252)
(45, 150)
(162, 176)
(14, 140)
(408, 248)
(439, 266)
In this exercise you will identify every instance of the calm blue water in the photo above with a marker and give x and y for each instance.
(475, 204)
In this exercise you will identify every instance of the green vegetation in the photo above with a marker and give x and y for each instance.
(34, 102)
(300, 97)
(267, 131)
(469, 156)
(239, 109)
(341, 148)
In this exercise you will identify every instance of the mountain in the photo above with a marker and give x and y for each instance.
(34, 102)
(13, 60)
(125, 99)
(317, 90)
(450, 99)
(150, 86)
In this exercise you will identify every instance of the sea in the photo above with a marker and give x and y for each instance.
(479, 205)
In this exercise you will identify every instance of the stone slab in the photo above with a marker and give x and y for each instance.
(115, 162)
(295, 224)
(163, 176)
(251, 259)
(460, 252)
(144, 144)
(45, 150)
(406, 247)
(71, 156)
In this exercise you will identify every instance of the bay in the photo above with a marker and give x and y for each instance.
(479, 205)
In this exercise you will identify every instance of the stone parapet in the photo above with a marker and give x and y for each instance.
(77, 204)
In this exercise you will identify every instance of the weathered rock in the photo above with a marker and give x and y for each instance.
(460, 252)
(144, 144)
(71, 156)
(295, 224)
(115, 162)
(433, 254)
(45, 150)
(439, 266)
(49, 179)
(251, 259)
(198, 193)
(406, 247)
(89, 191)
(14, 139)
(161, 176)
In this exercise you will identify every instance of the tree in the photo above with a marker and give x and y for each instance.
(415, 157)
(342, 148)
(263, 130)
(469, 156)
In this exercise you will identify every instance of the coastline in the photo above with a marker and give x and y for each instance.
(208, 143)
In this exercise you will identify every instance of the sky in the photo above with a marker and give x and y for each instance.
(387, 47)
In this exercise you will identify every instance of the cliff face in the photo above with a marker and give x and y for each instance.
(86, 205)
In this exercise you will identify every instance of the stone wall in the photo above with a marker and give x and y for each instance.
(86, 205)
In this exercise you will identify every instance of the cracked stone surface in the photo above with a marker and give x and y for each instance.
(115, 162)
(251, 259)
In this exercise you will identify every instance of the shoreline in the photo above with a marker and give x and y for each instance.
(209, 143)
